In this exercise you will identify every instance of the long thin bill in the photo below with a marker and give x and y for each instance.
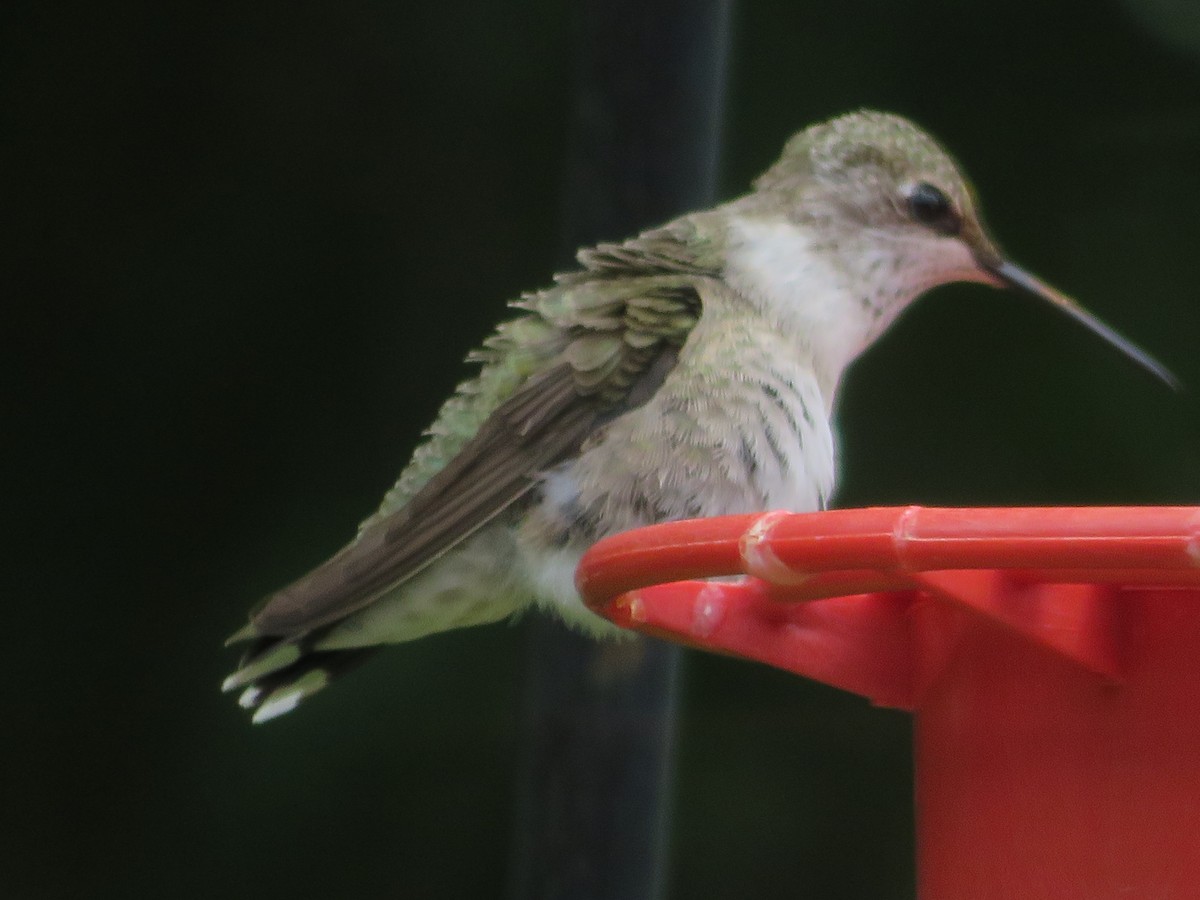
(1017, 277)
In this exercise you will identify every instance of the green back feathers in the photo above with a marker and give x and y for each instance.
(607, 320)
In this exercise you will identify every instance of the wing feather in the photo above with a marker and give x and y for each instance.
(601, 332)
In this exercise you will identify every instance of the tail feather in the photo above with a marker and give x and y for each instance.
(275, 674)
(264, 657)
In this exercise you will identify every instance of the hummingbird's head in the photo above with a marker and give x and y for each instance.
(893, 210)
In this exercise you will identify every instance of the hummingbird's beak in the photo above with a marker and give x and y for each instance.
(1011, 275)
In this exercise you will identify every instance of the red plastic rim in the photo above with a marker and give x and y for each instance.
(1047, 573)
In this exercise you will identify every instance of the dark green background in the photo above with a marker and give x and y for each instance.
(245, 248)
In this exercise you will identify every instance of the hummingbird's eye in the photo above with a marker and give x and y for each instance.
(929, 206)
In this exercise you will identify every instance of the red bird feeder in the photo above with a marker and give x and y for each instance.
(1051, 658)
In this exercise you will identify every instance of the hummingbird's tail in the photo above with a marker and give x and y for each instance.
(275, 674)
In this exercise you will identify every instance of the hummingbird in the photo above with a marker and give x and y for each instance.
(689, 371)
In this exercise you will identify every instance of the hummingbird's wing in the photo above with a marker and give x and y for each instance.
(595, 344)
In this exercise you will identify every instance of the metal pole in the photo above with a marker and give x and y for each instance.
(600, 717)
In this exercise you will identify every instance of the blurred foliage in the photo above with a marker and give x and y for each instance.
(246, 249)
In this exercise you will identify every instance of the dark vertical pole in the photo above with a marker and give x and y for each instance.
(600, 718)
